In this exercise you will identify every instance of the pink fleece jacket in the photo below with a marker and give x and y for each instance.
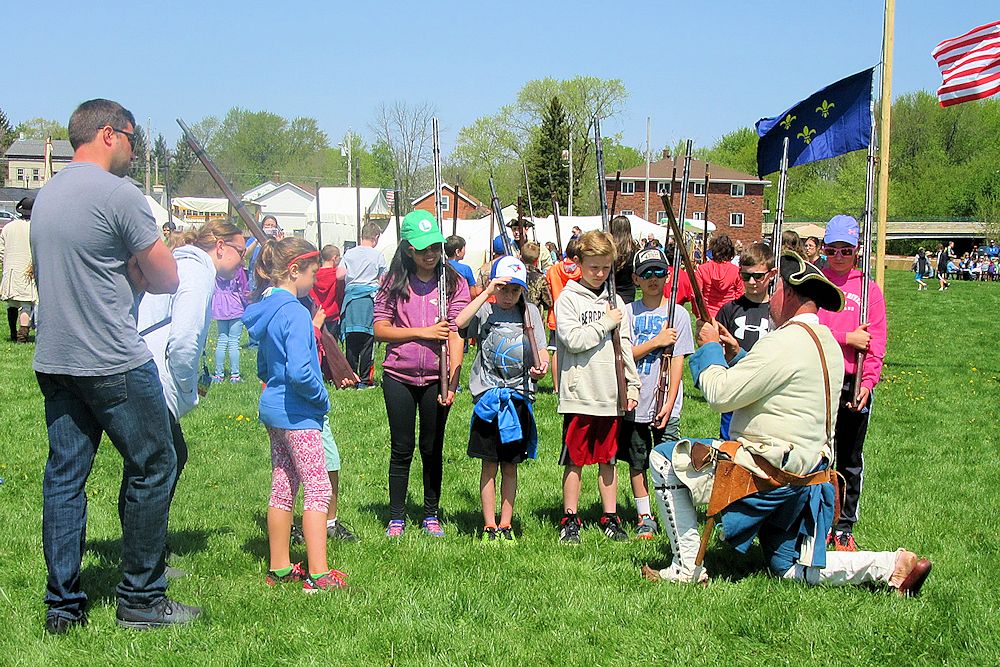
(849, 318)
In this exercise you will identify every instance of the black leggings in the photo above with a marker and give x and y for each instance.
(402, 403)
(360, 350)
(851, 429)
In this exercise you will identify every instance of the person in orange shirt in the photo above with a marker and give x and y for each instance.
(556, 277)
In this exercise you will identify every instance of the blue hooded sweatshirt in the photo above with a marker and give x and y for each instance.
(287, 362)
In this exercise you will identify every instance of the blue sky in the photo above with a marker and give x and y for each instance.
(699, 69)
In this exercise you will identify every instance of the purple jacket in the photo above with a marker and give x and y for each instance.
(416, 362)
(230, 297)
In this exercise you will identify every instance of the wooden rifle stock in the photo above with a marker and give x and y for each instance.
(443, 365)
(335, 360)
(616, 342)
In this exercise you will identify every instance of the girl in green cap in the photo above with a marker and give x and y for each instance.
(406, 319)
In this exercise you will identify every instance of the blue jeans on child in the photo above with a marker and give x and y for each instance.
(130, 408)
(230, 332)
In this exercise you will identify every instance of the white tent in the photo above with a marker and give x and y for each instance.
(202, 204)
(159, 212)
(338, 208)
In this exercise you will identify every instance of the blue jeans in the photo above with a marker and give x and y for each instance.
(230, 332)
(130, 408)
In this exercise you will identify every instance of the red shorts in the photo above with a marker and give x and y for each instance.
(588, 439)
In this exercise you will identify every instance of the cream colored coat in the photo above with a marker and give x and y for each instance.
(15, 255)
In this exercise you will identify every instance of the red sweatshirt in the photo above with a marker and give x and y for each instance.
(685, 293)
(328, 292)
(720, 283)
(849, 318)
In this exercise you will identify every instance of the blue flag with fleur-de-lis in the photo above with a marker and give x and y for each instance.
(828, 123)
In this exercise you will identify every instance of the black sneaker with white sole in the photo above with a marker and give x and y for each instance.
(162, 614)
(341, 531)
(612, 527)
(569, 529)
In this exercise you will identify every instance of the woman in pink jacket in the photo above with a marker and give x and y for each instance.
(840, 245)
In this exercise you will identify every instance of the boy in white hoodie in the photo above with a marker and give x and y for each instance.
(175, 326)
(586, 319)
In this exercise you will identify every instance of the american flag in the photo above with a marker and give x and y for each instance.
(970, 65)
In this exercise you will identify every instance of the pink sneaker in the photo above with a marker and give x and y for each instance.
(395, 528)
(332, 580)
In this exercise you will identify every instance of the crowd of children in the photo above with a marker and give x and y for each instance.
(522, 322)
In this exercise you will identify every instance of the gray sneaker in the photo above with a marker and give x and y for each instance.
(341, 531)
(164, 613)
(647, 528)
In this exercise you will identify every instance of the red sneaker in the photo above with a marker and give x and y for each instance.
(298, 573)
(332, 580)
(845, 542)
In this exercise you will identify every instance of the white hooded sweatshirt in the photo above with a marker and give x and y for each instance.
(177, 345)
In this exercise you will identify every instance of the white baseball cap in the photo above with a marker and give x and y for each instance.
(510, 266)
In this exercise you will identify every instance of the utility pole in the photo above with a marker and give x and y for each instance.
(648, 158)
(569, 203)
(148, 130)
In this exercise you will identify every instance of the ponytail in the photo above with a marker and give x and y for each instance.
(276, 259)
(207, 235)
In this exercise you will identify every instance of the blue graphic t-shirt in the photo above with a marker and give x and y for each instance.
(503, 348)
(644, 324)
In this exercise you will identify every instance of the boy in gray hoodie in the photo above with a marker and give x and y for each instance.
(586, 319)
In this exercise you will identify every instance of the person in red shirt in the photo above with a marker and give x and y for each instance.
(685, 293)
(328, 292)
(718, 278)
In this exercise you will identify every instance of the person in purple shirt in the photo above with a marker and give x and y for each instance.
(228, 304)
(406, 319)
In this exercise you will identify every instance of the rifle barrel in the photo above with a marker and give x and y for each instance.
(443, 370)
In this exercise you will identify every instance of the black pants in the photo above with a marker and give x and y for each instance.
(850, 439)
(12, 322)
(402, 404)
(360, 350)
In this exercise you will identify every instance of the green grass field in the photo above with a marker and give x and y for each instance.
(930, 484)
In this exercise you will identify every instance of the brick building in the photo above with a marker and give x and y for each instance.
(735, 199)
(468, 206)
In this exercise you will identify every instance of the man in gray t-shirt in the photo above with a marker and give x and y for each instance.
(96, 249)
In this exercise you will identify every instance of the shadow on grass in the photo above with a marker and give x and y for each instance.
(100, 579)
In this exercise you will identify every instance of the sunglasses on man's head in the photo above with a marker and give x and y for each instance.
(843, 252)
(758, 276)
(653, 273)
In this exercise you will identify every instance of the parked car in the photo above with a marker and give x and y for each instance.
(5, 217)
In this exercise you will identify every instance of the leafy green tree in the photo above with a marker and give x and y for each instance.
(7, 135)
(40, 128)
(138, 170)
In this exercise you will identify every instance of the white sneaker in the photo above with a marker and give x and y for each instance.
(679, 574)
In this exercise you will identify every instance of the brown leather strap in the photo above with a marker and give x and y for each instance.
(826, 381)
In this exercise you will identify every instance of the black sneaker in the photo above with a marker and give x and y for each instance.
(341, 531)
(569, 531)
(164, 613)
(60, 625)
(612, 527)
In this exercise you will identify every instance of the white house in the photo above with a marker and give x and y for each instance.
(294, 207)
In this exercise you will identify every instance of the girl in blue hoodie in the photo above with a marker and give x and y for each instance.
(292, 406)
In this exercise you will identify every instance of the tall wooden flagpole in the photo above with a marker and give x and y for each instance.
(883, 144)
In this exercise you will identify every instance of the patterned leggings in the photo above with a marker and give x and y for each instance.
(297, 457)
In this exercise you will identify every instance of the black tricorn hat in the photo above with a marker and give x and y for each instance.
(520, 222)
(23, 207)
(808, 281)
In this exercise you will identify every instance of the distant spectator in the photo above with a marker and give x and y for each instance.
(718, 278)
(625, 249)
(361, 270)
(920, 267)
(553, 251)
(538, 290)
(17, 287)
(454, 250)
(812, 246)
(328, 290)
(942, 268)
(790, 241)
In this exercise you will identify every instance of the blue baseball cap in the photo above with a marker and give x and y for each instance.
(498, 248)
(842, 228)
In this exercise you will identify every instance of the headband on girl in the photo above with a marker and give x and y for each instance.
(305, 255)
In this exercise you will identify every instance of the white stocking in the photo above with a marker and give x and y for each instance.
(679, 519)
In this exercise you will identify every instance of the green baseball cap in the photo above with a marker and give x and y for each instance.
(420, 229)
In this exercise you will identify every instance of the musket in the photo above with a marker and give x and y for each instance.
(443, 375)
(612, 287)
(319, 221)
(396, 194)
(704, 237)
(338, 366)
(357, 192)
(865, 246)
(454, 213)
(614, 195)
(555, 216)
(508, 248)
(531, 209)
(662, 385)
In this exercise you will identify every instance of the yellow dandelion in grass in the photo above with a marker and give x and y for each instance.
(974, 369)
(240, 418)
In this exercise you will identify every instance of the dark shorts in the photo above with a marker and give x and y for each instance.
(588, 439)
(484, 439)
(636, 441)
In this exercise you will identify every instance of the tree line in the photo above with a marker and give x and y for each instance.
(945, 163)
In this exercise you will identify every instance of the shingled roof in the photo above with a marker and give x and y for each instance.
(35, 149)
(662, 169)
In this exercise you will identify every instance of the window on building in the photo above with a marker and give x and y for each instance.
(627, 211)
(663, 187)
(445, 202)
(735, 219)
(628, 187)
(20, 173)
(36, 174)
(699, 189)
(698, 215)
(737, 189)
(660, 216)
